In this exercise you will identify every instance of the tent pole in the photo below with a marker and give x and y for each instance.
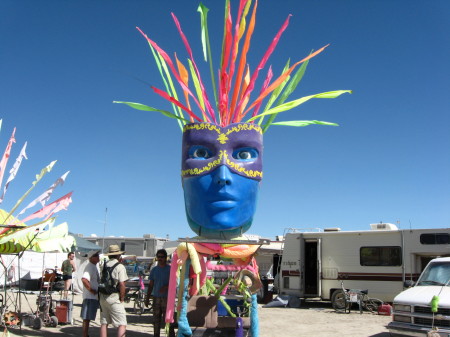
(5, 274)
(20, 294)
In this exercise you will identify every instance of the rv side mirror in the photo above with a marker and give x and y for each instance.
(409, 284)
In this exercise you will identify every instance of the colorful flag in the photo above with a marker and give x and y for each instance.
(54, 207)
(44, 197)
(6, 155)
(14, 170)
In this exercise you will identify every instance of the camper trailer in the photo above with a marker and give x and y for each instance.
(314, 263)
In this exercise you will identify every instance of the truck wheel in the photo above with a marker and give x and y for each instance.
(338, 300)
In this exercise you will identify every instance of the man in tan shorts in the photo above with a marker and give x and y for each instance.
(111, 306)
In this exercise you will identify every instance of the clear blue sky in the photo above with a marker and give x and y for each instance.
(62, 63)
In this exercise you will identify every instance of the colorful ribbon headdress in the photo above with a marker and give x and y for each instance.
(235, 83)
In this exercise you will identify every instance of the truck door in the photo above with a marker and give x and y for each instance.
(312, 268)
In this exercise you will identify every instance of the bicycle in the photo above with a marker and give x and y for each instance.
(344, 298)
(138, 297)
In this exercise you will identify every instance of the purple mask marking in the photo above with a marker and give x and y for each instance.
(207, 146)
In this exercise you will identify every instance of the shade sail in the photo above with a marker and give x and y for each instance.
(41, 237)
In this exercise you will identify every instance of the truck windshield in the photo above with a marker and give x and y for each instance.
(437, 273)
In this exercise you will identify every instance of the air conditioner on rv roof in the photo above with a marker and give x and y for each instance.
(383, 227)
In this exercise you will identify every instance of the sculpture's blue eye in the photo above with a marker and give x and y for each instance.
(199, 152)
(245, 154)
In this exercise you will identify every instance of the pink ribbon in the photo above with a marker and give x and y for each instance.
(172, 289)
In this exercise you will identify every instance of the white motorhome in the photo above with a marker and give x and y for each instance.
(380, 259)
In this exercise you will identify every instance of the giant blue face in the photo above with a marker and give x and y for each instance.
(221, 172)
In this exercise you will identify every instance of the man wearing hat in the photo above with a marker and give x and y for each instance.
(111, 306)
(90, 280)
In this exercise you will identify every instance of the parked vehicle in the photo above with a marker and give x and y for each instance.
(380, 260)
(137, 265)
(424, 309)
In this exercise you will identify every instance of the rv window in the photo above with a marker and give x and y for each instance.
(380, 256)
(435, 239)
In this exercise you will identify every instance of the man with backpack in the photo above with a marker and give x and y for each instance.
(112, 293)
(90, 279)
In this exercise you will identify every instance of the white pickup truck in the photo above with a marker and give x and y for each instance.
(412, 309)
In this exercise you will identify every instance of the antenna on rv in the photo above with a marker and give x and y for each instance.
(410, 224)
(104, 230)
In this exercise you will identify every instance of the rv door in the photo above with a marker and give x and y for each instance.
(319, 267)
(312, 267)
(292, 266)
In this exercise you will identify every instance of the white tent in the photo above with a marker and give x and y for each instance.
(32, 265)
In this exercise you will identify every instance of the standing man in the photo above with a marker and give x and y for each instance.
(90, 279)
(112, 309)
(67, 268)
(158, 288)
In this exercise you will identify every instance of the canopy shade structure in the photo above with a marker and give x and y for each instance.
(54, 239)
(82, 245)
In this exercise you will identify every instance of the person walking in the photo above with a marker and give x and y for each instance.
(90, 279)
(112, 309)
(158, 288)
(68, 268)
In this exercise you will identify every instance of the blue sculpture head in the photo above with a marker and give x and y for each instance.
(221, 173)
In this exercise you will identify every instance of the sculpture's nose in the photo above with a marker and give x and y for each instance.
(223, 176)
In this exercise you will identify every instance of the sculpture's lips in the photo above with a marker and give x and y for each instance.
(223, 204)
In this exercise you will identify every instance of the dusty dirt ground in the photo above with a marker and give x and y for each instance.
(314, 318)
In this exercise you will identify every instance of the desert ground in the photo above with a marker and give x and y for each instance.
(313, 318)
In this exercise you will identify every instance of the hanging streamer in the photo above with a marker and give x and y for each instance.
(14, 170)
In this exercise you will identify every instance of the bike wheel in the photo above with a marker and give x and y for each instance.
(37, 323)
(150, 303)
(139, 306)
(372, 304)
(338, 301)
(54, 321)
